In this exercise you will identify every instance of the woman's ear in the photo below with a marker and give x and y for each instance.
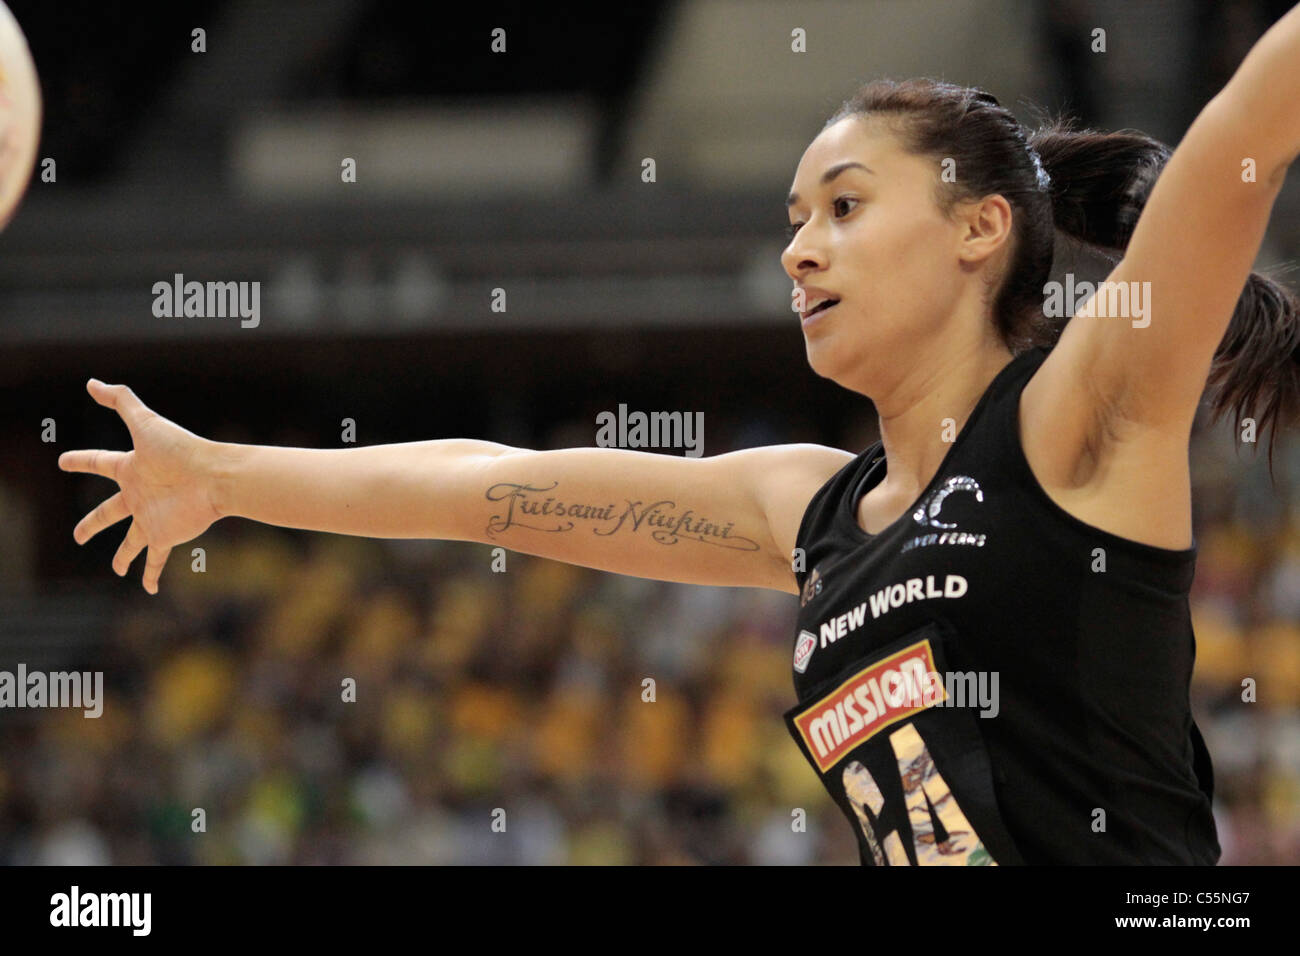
(986, 227)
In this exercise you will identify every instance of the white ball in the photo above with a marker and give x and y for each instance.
(20, 114)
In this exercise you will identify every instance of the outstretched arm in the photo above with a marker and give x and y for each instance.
(727, 520)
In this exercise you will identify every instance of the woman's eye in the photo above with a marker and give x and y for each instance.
(791, 229)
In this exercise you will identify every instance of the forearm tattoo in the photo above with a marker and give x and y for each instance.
(665, 521)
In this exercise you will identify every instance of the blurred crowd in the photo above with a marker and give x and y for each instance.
(317, 699)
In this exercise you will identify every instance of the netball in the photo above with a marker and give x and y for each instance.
(20, 114)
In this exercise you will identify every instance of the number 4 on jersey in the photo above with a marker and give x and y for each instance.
(927, 796)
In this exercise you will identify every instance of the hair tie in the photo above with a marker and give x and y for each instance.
(1044, 180)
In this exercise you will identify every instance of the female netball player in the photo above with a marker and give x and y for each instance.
(994, 643)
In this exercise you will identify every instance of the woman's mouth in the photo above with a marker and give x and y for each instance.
(818, 312)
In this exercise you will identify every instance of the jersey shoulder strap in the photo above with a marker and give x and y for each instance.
(821, 532)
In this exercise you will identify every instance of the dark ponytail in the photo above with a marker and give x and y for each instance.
(1100, 184)
(1094, 190)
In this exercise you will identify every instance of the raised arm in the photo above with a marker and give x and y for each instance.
(724, 520)
(1195, 243)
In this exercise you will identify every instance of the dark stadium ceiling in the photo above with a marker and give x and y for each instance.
(110, 70)
(148, 181)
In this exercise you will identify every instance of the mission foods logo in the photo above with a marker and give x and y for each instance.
(902, 684)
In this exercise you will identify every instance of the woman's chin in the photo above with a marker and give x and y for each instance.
(823, 360)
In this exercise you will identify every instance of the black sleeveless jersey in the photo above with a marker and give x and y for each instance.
(990, 680)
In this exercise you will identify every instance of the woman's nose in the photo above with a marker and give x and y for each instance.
(801, 254)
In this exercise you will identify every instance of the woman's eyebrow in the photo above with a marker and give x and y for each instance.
(829, 175)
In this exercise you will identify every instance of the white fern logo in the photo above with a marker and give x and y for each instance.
(927, 514)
